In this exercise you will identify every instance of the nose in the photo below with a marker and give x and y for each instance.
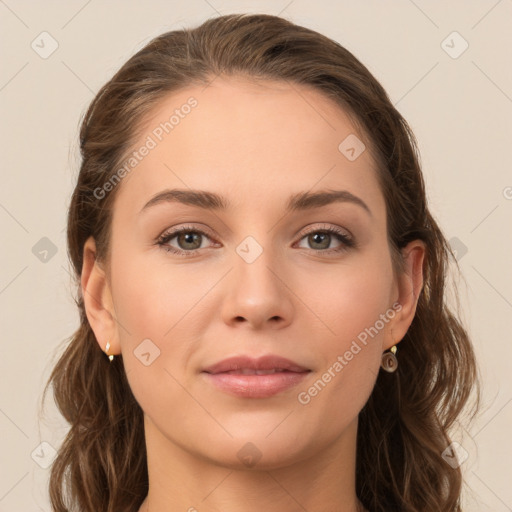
(258, 294)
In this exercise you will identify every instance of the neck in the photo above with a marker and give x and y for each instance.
(182, 481)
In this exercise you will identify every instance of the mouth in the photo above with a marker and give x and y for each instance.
(248, 377)
(251, 371)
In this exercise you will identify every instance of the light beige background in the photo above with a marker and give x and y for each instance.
(459, 108)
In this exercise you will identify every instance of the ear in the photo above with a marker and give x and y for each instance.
(98, 300)
(409, 286)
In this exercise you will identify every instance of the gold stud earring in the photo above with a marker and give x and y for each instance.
(111, 357)
(389, 362)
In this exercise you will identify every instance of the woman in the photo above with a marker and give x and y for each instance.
(261, 288)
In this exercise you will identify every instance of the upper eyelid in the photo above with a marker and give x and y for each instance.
(325, 226)
(206, 231)
(176, 231)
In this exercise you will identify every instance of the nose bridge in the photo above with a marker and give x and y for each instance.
(257, 292)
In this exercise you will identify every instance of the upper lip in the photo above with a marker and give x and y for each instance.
(268, 362)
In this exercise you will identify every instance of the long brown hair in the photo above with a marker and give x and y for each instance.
(403, 429)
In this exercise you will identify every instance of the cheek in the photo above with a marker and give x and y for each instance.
(351, 305)
(356, 306)
(164, 304)
(151, 308)
(151, 297)
(351, 308)
(348, 299)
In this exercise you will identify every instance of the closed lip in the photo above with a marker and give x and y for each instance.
(251, 364)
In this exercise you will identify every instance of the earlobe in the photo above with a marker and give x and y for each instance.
(410, 284)
(98, 299)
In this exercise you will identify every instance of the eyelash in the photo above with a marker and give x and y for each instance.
(165, 238)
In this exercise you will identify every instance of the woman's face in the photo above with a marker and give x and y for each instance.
(253, 278)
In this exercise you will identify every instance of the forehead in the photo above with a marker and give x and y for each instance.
(250, 141)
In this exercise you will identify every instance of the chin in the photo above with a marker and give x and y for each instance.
(259, 452)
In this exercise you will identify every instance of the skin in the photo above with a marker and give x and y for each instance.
(256, 144)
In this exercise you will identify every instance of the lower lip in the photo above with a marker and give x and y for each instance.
(255, 386)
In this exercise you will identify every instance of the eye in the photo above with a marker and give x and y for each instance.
(188, 239)
(320, 239)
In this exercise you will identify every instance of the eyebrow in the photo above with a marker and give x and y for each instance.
(296, 202)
